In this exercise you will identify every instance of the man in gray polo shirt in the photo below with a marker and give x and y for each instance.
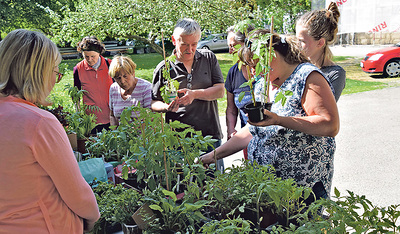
(200, 84)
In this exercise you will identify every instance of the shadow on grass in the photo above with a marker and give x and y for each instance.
(378, 76)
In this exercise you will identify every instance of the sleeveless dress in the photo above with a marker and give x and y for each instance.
(305, 158)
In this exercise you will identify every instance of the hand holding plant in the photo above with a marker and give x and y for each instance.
(169, 90)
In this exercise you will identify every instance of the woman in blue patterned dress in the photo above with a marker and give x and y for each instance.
(297, 138)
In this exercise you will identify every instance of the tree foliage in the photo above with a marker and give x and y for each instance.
(143, 20)
(285, 12)
(29, 14)
(67, 21)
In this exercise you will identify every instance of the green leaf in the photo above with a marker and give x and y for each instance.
(241, 96)
(288, 93)
(156, 207)
(337, 193)
(171, 194)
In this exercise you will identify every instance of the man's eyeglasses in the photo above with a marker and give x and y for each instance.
(189, 80)
(59, 76)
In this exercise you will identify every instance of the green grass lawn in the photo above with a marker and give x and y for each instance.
(357, 80)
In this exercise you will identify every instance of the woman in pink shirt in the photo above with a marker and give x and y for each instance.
(41, 187)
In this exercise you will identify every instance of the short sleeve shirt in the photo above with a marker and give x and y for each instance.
(337, 76)
(141, 94)
(234, 80)
(201, 115)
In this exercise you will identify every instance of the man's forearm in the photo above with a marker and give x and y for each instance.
(211, 93)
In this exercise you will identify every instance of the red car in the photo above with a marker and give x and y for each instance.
(385, 61)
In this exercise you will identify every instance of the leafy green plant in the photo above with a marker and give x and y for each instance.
(169, 90)
(261, 46)
(80, 122)
(112, 144)
(347, 214)
(176, 215)
(116, 203)
(227, 226)
(161, 152)
(256, 188)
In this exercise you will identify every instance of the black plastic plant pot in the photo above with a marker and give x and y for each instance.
(255, 112)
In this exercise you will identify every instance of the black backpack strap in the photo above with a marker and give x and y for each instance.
(107, 62)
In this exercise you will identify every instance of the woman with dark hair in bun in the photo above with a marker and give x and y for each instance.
(316, 30)
(91, 74)
(297, 138)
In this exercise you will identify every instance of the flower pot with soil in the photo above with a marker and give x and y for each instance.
(256, 55)
(255, 111)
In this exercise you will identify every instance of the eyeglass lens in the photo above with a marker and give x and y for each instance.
(59, 76)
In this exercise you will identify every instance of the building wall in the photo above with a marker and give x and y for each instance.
(367, 21)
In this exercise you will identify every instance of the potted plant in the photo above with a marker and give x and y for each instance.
(117, 204)
(169, 91)
(162, 153)
(170, 88)
(80, 122)
(261, 46)
(255, 193)
(173, 214)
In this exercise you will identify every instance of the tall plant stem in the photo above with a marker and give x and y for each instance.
(215, 159)
(253, 98)
(183, 150)
(266, 84)
(163, 47)
(165, 156)
(143, 132)
(165, 59)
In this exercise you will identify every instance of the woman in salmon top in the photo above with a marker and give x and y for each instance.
(41, 187)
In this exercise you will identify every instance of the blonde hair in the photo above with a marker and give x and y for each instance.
(28, 61)
(322, 24)
(121, 64)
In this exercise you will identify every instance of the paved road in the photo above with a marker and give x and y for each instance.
(367, 158)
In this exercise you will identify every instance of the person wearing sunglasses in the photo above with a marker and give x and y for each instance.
(201, 83)
(41, 187)
(234, 79)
